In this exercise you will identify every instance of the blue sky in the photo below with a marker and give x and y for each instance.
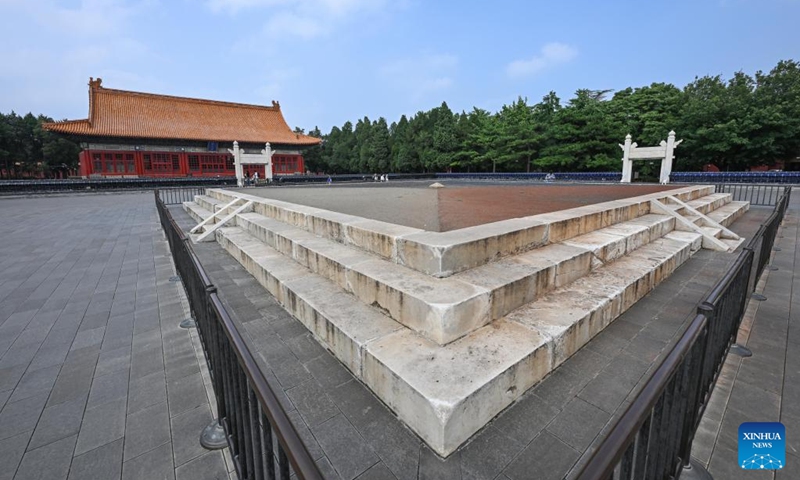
(329, 61)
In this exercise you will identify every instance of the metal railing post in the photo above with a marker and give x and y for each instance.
(640, 445)
(248, 411)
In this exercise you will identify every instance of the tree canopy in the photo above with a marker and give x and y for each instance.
(28, 150)
(735, 124)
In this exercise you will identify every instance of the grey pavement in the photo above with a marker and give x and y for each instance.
(548, 433)
(96, 379)
(766, 386)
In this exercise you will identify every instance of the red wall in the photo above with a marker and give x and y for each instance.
(116, 163)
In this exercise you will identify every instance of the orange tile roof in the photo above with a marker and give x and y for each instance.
(119, 113)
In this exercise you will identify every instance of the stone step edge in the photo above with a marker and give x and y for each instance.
(443, 254)
(357, 274)
(318, 320)
(195, 211)
(344, 327)
(442, 309)
(487, 300)
(439, 322)
(729, 213)
(457, 419)
(715, 201)
(208, 202)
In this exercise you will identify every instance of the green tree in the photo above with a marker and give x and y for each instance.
(380, 149)
(445, 142)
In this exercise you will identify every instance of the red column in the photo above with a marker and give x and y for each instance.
(85, 162)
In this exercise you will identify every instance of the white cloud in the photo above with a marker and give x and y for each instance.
(234, 6)
(275, 82)
(306, 19)
(425, 61)
(550, 55)
(303, 26)
(48, 70)
(421, 75)
(88, 18)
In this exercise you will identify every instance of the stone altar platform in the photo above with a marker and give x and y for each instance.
(450, 328)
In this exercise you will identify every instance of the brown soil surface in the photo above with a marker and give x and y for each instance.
(456, 206)
(470, 206)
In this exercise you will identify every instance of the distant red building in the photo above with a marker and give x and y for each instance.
(136, 134)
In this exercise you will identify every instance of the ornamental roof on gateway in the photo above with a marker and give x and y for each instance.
(119, 113)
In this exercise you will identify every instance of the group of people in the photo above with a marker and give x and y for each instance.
(380, 178)
(250, 181)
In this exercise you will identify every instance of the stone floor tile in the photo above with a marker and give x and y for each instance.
(185, 394)
(546, 458)
(146, 430)
(35, 382)
(578, 424)
(347, 451)
(108, 388)
(50, 462)
(21, 416)
(379, 471)
(102, 424)
(487, 454)
(186, 430)
(432, 466)
(146, 391)
(210, 466)
(11, 451)
(147, 362)
(104, 462)
(57, 422)
(312, 402)
(153, 465)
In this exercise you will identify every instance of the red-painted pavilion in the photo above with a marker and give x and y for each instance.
(136, 134)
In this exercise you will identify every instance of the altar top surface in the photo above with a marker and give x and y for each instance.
(458, 205)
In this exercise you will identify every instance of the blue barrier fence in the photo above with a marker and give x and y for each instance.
(736, 177)
(10, 187)
(559, 177)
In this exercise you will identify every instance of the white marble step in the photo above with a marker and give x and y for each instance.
(445, 309)
(442, 254)
(209, 203)
(448, 308)
(337, 319)
(447, 393)
(195, 211)
(729, 213)
(711, 202)
(517, 280)
(712, 231)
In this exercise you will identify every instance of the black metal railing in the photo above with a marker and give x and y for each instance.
(736, 177)
(247, 407)
(653, 438)
(16, 187)
(762, 195)
(178, 195)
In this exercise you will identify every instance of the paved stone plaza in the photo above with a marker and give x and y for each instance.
(97, 380)
(766, 386)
